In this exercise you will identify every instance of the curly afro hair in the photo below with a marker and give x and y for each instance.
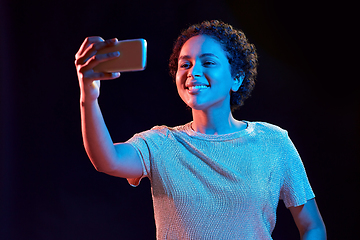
(241, 54)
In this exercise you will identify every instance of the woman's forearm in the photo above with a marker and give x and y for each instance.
(96, 137)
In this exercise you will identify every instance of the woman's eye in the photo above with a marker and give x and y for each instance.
(184, 65)
(209, 63)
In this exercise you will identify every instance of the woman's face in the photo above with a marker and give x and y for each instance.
(203, 77)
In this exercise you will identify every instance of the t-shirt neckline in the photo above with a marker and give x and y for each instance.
(228, 136)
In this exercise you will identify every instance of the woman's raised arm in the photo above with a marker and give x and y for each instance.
(119, 160)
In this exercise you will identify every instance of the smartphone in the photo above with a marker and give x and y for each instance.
(132, 57)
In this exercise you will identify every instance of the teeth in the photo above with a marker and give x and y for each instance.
(198, 87)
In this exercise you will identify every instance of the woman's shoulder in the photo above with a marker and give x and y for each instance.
(266, 125)
(266, 128)
(155, 131)
(163, 130)
(166, 129)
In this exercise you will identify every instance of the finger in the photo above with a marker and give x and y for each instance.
(92, 49)
(96, 59)
(90, 75)
(87, 42)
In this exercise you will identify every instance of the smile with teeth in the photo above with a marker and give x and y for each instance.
(197, 87)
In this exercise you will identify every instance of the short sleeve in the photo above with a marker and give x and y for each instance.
(139, 143)
(296, 189)
(147, 144)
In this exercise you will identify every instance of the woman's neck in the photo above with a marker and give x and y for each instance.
(215, 122)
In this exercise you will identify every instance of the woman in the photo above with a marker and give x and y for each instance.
(215, 177)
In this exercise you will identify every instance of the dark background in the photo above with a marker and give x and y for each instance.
(48, 187)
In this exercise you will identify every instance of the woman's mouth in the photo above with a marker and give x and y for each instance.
(196, 88)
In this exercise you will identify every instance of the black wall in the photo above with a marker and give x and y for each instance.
(48, 187)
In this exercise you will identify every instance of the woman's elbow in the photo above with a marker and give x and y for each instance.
(101, 168)
(318, 233)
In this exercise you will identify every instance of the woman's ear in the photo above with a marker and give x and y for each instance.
(237, 82)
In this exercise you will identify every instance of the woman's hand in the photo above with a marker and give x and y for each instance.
(86, 59)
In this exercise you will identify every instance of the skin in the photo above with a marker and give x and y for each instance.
(308, 220)
(202, 61)
(119, 159)
(204, 83)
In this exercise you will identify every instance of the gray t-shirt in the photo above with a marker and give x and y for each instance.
(220, 186)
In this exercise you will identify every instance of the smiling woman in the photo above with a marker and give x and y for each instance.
(241, 55)
(215, 177)
(203, 77)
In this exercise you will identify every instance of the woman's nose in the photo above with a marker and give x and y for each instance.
(195, 71)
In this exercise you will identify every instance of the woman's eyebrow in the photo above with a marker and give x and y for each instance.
(201, 56)
(184, 57)
(208, 55)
